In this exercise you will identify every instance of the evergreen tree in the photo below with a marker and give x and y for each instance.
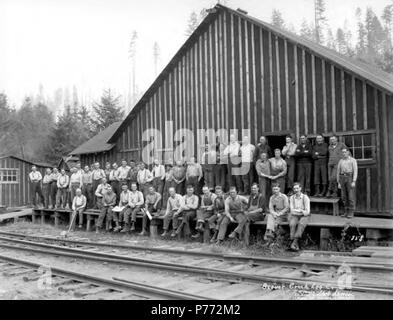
(340, 40)
(192, 23)
(306, 31)
(361, 36)
(107, 111)
(320, 20)
(277, 19)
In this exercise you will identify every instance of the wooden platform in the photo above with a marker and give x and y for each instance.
(15, 215)
(374, 252)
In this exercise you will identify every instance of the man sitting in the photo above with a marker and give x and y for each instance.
(188, 212)
(100, 191)
(123, 203)
(108, 202)
(206, 210)
(152, 205)
(218, 209)
(299, 205)
(135, 202)
(278, 212)
(254, 212)
(234, 211)
(79, 205)
(175, 201)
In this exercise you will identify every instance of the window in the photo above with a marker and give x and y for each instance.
(9, 176)
(362, 146)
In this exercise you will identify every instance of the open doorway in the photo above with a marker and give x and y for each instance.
(276, 141)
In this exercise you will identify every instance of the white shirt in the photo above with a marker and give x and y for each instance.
(122, 172)
(144, 176)
(232, 149)
(35, 176)
(247, 152)
(158, 171)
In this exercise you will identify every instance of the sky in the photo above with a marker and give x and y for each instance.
(62, 43)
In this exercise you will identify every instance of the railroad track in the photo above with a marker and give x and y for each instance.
(217, 266)
(85, 286)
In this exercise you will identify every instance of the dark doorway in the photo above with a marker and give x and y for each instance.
(276, 141)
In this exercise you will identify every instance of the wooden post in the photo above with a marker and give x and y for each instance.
(33, 216)
(42, 217)
(247, 234)
(88, 222)
(154, 228)
(56, 219)
(325, 235)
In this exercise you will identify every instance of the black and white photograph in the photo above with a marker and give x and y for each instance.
(163, 151)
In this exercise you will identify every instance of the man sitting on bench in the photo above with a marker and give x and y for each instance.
(254, 212)
(299, 205)
(152, 205)
(135, 203)
(175, 201)
(188, 212)
(234, 212)
(206, 211)
(108, 202)
(219, 209)
(278, 212)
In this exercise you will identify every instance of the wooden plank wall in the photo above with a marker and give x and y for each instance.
(238, 75)
(15, 195)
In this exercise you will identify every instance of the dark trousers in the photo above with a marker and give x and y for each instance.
(264, 187)
(115, 187)
(215, 220)
(87, 191)
(129, 214)
(249, 217)
(193, 181)
(320, 172)
(158, 184)
(220, 173)
(347, 192)
(332, 173)
(105, 213)
(290, 179)
(180, 188)
(46, 193)
(234, 175)
(208, 175)
(35, 189)
(247, 176)
(53, 192)
(304, 175)
(96, 183)
(297, 225)
(188, 216)
(145, 218)
(239, 217)
(61, 197)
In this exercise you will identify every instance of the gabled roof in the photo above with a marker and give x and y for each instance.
(20, 159)
(369, 73)
(99, 143)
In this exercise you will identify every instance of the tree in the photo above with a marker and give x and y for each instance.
(306, 31)
(340, 40)
(107, 111)
(330, 41)
(192, 23)
(277, 19)
(361, 35)
(320, 20)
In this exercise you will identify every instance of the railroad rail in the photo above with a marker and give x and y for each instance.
(84, 285)
(214, 265)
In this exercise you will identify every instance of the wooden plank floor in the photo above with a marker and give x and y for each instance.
(12, 215)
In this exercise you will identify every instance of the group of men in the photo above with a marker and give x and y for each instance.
(132, 188)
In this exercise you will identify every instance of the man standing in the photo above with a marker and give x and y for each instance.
(234, 212)
(97, 175)
(75, 181)
(194, 174)
(78, 167)
(278, 212)
(262, 147)
(145, 178)
(78, 205)
(107, 171)
(209, 158)
(253, 213)
(232, 152)
(152, 205)
(35, 178)
(299, 205)
(158, 172)
(263, 170)
(347, 174)
(46, 183)
(221, 167)
(114, 180)
(87, 186)
(205, 211)
(175, 202)
(108, 202)
(62, 187)
(218, 209)
(247, 166)
(335, 155)
(179, 176)
(53, 186)
(188, 212)
(320, 154)
(100, 192)
(288, 152)
(303, 157)
(132, 173)
(122, 173)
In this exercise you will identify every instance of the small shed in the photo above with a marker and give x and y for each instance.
(14, 181)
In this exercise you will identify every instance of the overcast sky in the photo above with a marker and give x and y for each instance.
(85, 42)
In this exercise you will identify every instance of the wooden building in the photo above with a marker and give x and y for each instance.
(237, 72)
(14, 181)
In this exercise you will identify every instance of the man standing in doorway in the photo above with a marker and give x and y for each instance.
(303, 157)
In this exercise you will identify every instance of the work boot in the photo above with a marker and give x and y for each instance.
(350, 214)
(214, 238)
(317, 191)
(196, 236)
(323, 192)
(268, 235)
(126, 228)
(117, 229)
(165, 233)
(133, 226)
(173, 234)
(232, 235)
(294, 245)
(329, 194)
(143, 233)
(98, 230)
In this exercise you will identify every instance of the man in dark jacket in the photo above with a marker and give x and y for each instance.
(262, 147)
(320, 155)
(303, 156)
